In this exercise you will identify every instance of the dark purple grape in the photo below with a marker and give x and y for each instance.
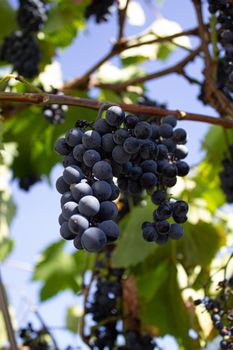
(91, 139)
(143, 130)
(69, 209)
(115, 116)
(78, 224)
(111, 230)
(65, 232)
(93, 239)
(74, 137)
(80, 190)
(72, 174)
(176, 231)
(102, 190)
(90, 157)
(102, 170)
(89, 206)
(61, 185)
(61, 147)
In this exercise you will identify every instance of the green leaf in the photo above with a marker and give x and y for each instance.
(73, 315)
(64, 21)
(166, 310)
(200, 244)
(7, 19)
(6, 247)
(150, 280)
(131, 247)
(35, 138)
(58, 270)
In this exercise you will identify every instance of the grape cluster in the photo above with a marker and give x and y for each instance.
(22, 51)
(221, 312)
(99, 9)
(142, 157)
(31, 15)
(21, 48)
(35, 339)
(224, 13)
(226, 176)
(106, 307)
(88, 190)
(55, 114)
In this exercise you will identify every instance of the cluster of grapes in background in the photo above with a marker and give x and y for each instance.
(38, 339)
(226, 175)
(106, 309)
(55, 114)
(223, 9)
(99, 9)
(21, 48)
(120, 155)
(221, 312)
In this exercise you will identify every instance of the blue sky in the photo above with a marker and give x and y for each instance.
(35, 225)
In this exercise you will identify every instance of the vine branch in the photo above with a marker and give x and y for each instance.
(119, 47)
(6, 316)
(157, 112)
(177, 68)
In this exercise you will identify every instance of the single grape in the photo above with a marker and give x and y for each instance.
(162, 227)
(102, 170)
(80, 190)
(179, 135)
(162, 152)
(72, 174)
(111, 230)
(163, 211)
(182, 168)
(107, 142)
(169, 119)
(148, 150)
(161, 239)
(148, 180)
(69, 160)
(90, 157)
(170, 170)
(108, 210)
(89, 206)
(91, 139)
(143, 130)
(120, 136)
(61, 147)
(165, 131)
(102, 127)
(78, 152)
(180, 208)
(158, 197)
(66, 197)
(181, 152)
(169, 181)
(61, 219)
(149, 166)
(176, 231)
(69, 209)
(78, 224)
(131, 121)
(61, 185)
(131, 145)
(102, 190)
(149, 233)
(65, 232)
(119, 155)
(115, 192)
(115, 116)
(74, 137)
(93, 239)
(77, 242)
